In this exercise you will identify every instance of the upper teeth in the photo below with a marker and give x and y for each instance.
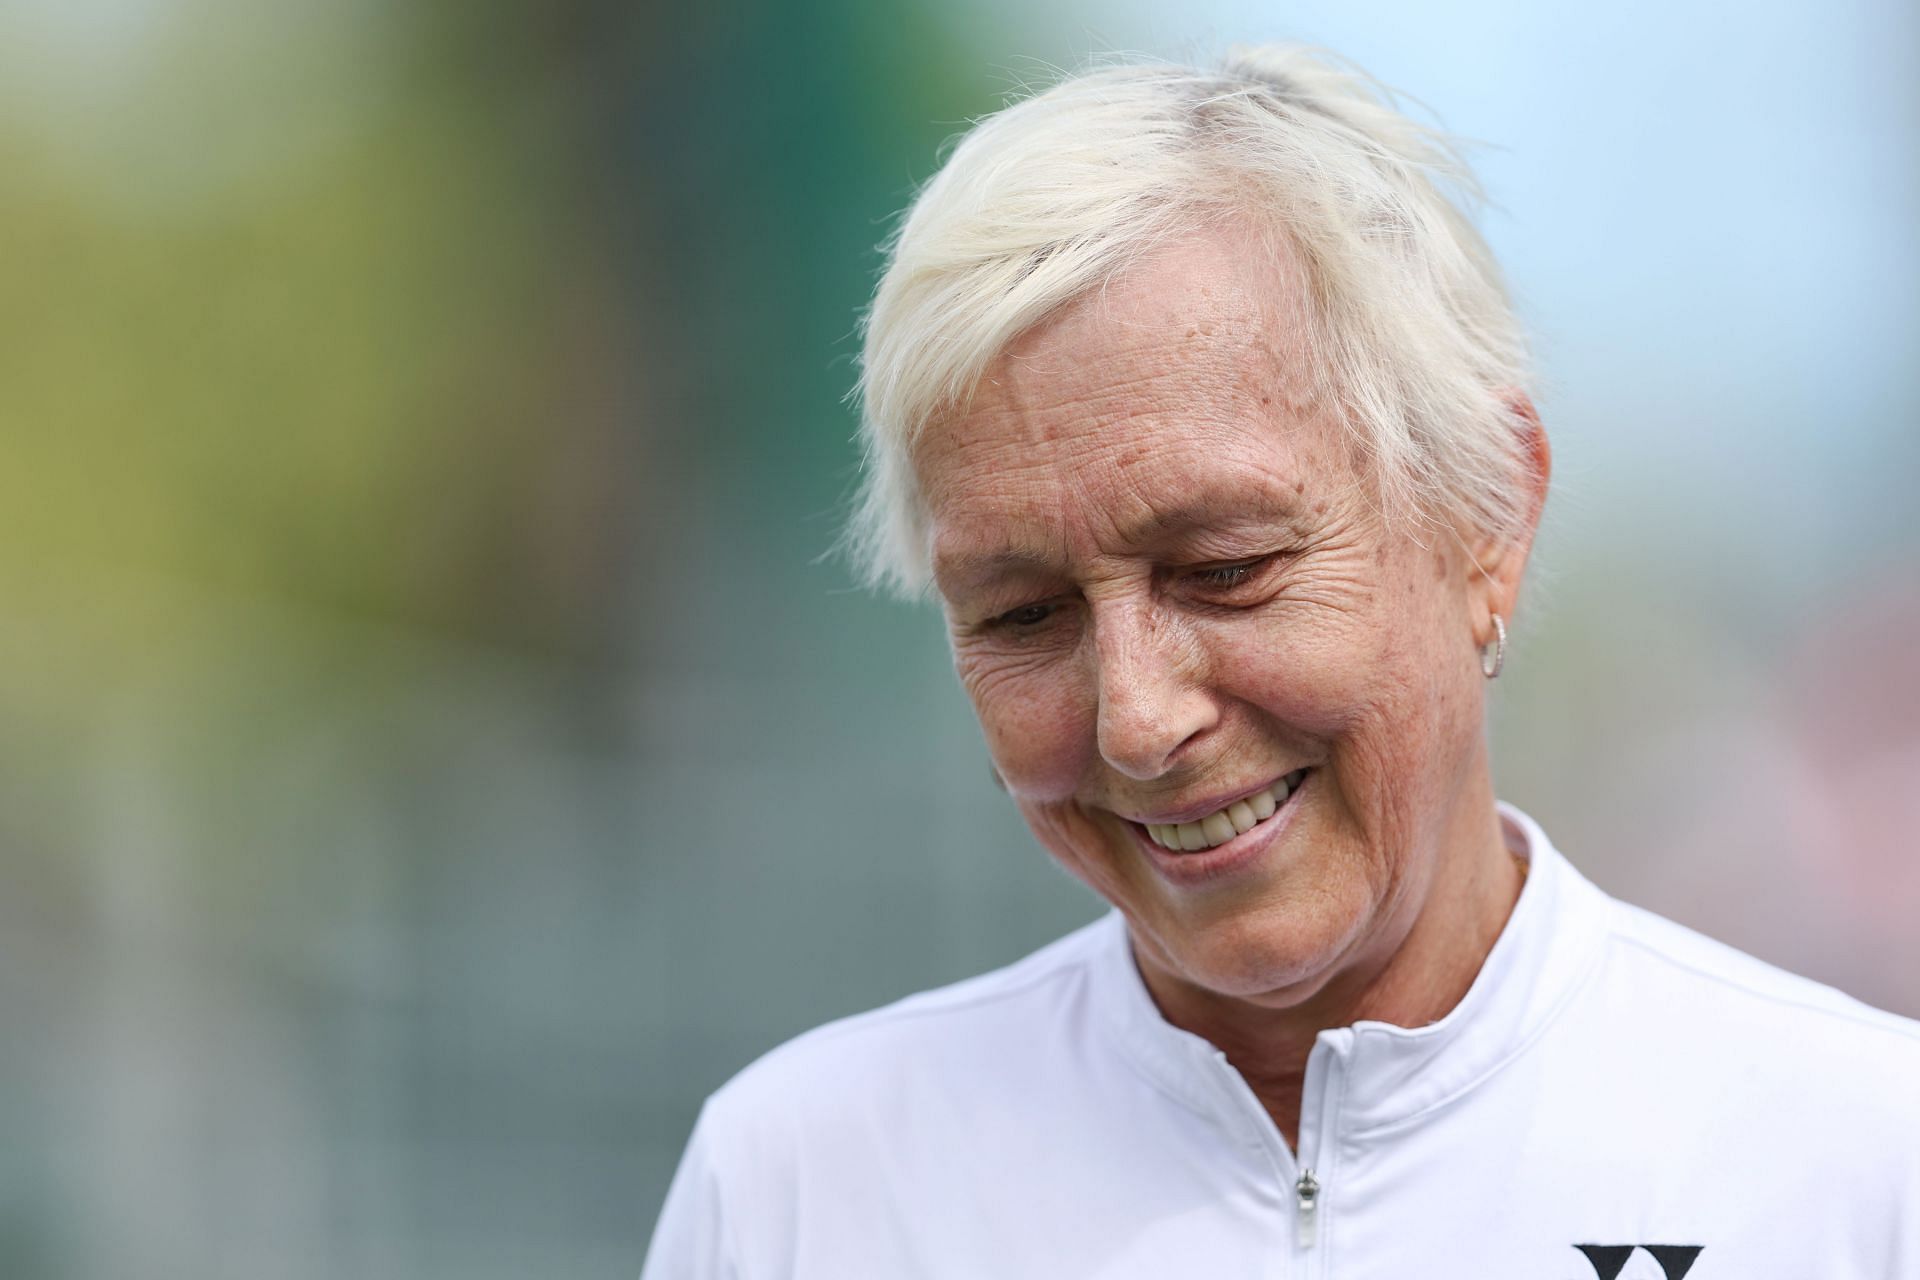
(1223, 825)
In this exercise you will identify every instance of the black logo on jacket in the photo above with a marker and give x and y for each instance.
(1607, 1259)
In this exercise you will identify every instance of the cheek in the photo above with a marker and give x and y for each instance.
(1037, 720)
(1306, 675)
(1378, 688)
(1078, 843)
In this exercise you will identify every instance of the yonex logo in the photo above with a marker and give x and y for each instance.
(1608, 1259)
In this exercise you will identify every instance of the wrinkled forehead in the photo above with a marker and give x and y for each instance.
(1228, 300)
(1179, 396)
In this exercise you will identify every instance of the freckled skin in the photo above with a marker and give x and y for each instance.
(1111, 678)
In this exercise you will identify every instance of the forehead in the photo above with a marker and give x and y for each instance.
(1177, 396)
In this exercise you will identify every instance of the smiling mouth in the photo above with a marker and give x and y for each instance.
(1222, 825)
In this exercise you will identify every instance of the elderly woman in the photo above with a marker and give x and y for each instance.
(1197, 400)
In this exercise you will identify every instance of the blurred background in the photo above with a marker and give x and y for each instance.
(435, 746)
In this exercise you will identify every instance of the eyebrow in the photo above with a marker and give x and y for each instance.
(1166, 526)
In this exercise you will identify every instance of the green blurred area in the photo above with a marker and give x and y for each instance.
(380, 387)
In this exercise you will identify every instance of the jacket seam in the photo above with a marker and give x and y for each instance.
(1575, 986)
(1152, 1079)
(1871, 1023)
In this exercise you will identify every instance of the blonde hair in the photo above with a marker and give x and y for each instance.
(1041, 202)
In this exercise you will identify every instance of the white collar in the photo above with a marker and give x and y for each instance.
(1392, 1075)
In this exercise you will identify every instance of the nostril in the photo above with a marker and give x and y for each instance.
(1141, 740)
(1150, 703)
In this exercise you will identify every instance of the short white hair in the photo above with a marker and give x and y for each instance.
(1412, 332)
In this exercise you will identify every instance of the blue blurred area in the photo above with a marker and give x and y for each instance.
(435, 747)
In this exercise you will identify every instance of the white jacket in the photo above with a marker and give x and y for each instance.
(1616, 1097)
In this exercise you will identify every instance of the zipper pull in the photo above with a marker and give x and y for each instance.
(1307, 1191)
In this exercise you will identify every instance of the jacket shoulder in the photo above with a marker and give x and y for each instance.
(868, 1056)
(1734, 1007)
(1715, 970)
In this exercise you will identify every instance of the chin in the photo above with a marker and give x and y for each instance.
(1279, 955)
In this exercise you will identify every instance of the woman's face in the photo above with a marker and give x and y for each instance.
(1168, 591)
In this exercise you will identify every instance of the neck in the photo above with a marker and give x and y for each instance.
(1416, 979)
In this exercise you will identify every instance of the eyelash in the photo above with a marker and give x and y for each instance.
(1242, 572)
(1009, 621)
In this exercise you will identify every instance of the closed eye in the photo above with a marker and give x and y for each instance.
(1218, 580)
(1027, 615)
(1226, 575)
(1226, 578)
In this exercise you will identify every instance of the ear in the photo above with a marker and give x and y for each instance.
(1500, 560)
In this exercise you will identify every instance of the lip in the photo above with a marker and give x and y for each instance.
(1198, 811)
(1240, 855)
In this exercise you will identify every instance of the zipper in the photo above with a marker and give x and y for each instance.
(1307, 1194)
(1316, 1118)
(1316, 1121)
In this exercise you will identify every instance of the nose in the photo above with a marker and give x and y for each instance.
(1152, 701)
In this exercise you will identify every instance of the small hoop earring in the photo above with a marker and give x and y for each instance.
(1490, 666)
